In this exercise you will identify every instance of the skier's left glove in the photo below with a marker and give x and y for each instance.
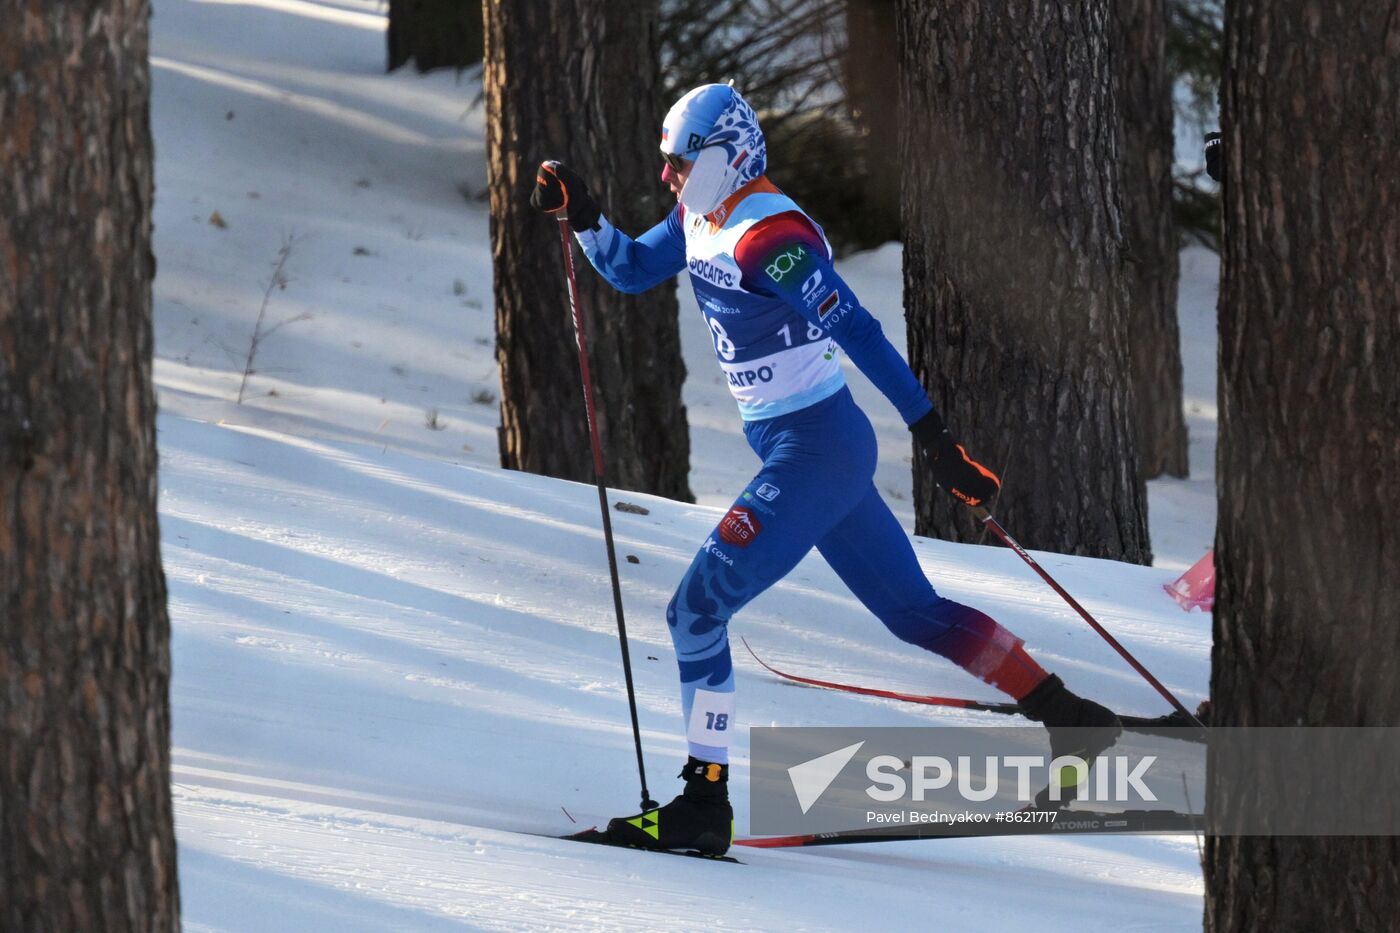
(952, 468)
(559, 190)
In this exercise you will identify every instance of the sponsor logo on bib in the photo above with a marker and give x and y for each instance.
(712, 273)
(742, 379)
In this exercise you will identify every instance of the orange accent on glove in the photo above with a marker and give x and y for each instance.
(541, 180)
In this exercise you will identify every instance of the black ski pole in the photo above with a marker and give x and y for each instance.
(986, 519)
(579, 333)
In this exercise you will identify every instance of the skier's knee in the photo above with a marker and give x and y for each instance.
(925, 625)
(701, 641)
(694, 624)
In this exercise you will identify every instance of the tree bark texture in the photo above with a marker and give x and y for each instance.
(1015, 296)
(86, 832)
(1145, 105)
(434, 34)
(1307, 545)
(872, 99)
(576, 81)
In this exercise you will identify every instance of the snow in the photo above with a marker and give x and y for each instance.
(394, 660)
(389, 666)
(1181, 512)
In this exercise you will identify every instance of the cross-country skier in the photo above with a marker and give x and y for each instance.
(778, 314)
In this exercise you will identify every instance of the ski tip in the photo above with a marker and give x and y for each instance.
(590, 834)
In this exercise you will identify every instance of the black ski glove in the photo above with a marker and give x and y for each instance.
(952, 468)
(558, 189)
(1213, 150)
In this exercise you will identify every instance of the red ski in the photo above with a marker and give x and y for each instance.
(1171, 724)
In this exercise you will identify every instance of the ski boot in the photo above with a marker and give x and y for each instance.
(700, 819)
(1078, 727)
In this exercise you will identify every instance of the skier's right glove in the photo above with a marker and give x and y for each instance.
(1213, 146)
(559, 190)
(952, 468)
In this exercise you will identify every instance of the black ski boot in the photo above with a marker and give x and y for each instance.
(700, 819)
(1078, 727)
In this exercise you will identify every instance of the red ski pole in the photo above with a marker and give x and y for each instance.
(988, 520)
(598, 472)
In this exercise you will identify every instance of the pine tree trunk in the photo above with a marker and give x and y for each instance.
(576, 81)
(1145, 104)
(434, 34)
(86, 833)
(871, 66)
(1308, 545)
(1015, 297)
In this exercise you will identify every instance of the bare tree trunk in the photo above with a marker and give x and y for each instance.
(1145, 104)
(86, 833)
(872, 78)
(434, 33)
(1308, 546)
(1015, 296)
(576, 81)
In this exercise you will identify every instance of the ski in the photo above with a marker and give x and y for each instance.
(593, 836)
(1170, 725)
(1026, 823)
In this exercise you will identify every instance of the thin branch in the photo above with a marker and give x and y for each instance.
(278, 280)
(303, 316)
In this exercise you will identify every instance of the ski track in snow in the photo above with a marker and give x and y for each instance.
(358, 719)
(392, 660)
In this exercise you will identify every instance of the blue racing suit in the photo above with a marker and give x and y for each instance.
(779, 314)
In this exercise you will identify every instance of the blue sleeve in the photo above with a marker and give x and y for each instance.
(634, 266)
(784, 256)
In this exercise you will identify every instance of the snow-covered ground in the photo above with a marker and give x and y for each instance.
(392, 657)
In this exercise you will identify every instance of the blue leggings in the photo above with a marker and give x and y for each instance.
(815, 489)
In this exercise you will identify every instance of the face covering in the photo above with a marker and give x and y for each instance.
(716, 128)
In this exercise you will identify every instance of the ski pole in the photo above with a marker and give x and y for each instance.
(989, 521)
(598, 472)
